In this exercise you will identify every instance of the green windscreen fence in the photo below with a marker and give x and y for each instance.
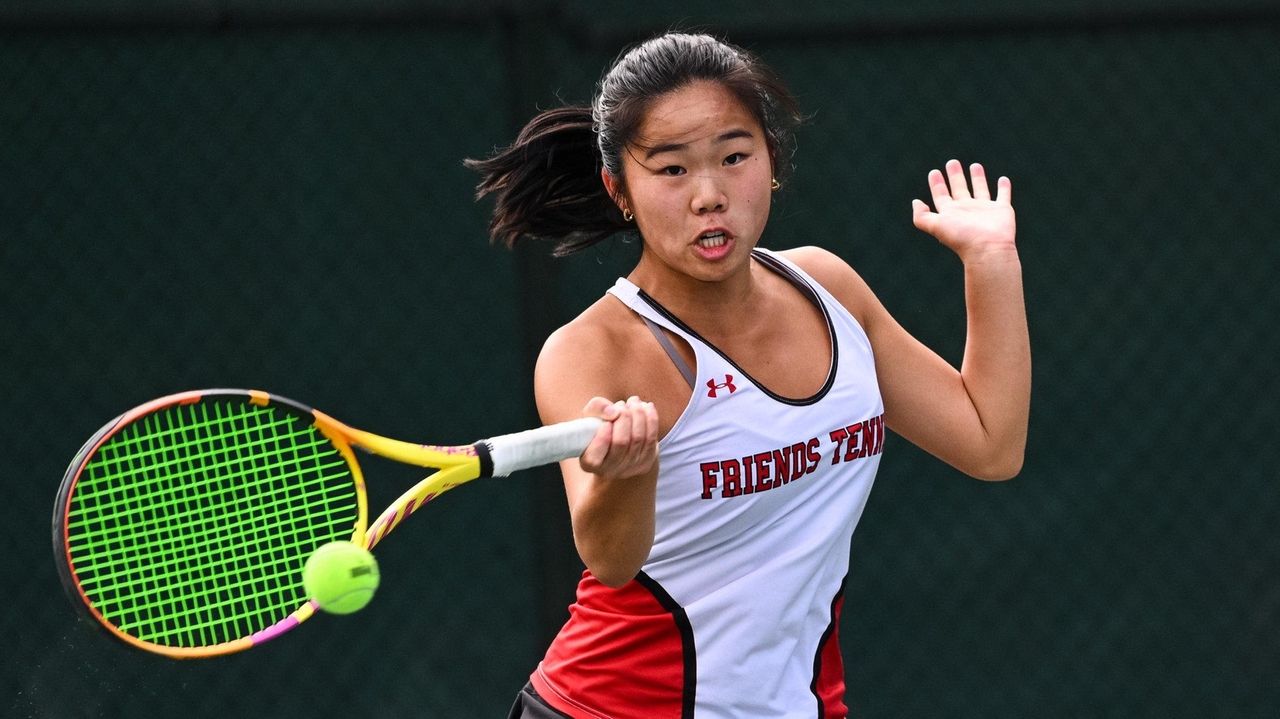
(272, 196)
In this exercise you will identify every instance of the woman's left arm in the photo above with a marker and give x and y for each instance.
(974, 418)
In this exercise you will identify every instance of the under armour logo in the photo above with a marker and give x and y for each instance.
(728, 384)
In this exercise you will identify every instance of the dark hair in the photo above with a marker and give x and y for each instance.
(547, 183)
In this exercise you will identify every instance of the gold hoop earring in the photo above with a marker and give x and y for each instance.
(775, 185)
(627, 215)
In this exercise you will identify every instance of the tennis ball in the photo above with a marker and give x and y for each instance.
(341, 577)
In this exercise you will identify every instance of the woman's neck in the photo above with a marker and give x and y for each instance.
(721, 303)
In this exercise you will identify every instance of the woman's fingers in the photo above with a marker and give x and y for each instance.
(938, 189)
(922, 217)
(978, 175)
(602, 408)
(955, 176)
(1004, 190)
(625, 445)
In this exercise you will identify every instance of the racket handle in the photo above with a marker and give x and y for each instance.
(536, 447)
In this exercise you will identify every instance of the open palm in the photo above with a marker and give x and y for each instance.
(967, 220)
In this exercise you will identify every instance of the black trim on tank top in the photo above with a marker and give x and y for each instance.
(800, 284)
(822, 645)
(689, 691)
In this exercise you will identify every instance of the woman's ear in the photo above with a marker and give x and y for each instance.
(613, 187)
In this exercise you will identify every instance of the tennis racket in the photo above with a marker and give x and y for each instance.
(182, 526)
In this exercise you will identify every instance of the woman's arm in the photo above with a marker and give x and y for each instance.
(611, 488)
(974, 418)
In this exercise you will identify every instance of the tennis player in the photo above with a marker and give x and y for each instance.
(748, 390)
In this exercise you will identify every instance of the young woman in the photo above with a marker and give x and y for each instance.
(747, 391)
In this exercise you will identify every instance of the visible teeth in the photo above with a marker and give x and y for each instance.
(712, 239)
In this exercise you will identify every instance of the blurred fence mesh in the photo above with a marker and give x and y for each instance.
(284, 207)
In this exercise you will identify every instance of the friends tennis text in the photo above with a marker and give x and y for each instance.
(763, 471)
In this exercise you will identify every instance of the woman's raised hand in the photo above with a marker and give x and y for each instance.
(964, 217)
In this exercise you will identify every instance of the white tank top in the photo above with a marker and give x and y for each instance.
(737, 606)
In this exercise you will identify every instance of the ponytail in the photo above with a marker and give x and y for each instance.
(547, 185)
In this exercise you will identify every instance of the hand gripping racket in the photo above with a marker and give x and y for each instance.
(182, 526)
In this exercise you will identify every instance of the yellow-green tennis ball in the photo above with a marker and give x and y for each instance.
(341, 577)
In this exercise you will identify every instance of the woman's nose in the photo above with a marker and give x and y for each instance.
(708, 197)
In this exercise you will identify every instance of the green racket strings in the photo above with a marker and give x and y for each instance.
(190, 526)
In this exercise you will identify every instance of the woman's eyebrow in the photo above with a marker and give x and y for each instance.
(676, 146)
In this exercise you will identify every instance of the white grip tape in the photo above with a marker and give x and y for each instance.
(544, 445)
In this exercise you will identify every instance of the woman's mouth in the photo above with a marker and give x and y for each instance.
(713, 244)
(713, 239)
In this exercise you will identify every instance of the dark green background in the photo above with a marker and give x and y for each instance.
(270, 194)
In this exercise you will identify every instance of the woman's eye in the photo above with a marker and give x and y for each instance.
(672, 170)
(735, 158)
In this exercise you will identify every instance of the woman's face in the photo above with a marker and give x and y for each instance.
(698, 180)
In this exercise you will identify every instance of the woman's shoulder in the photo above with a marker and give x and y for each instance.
(606, 325)
(835, 275)
(821, 264)
(588, 349)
